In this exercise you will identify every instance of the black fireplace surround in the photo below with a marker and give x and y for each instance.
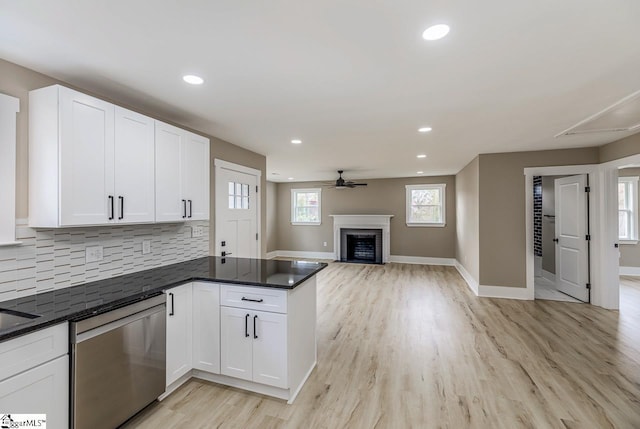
(362, 246)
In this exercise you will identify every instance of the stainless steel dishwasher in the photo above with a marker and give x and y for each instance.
(118, 362)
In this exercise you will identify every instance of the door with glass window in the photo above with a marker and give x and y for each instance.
(236, 216)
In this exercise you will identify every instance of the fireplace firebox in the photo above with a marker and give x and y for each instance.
(362, 246)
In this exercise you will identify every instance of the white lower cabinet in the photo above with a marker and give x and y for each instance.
(206, 327)
(34, 375)
(41, 390)
(179, 332)
(254, 345)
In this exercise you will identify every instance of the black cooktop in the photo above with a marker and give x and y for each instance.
(85, 300)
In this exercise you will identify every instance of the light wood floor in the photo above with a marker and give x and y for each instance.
(409, 346)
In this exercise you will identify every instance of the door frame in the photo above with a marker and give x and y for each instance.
(609, 171)
(598, 290)
(218, 164)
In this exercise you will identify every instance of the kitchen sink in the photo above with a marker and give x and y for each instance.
(11, 318)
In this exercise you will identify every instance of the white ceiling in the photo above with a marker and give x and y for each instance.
(352, 78)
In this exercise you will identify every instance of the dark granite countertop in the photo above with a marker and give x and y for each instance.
(78, 302)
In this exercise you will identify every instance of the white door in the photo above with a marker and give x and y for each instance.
(195, 180)
(179, 332)
(170, 206)
(134, 167)
(237, 211)
(236, 358)
(86, 159)
(572, 252)
(269, 348)
(206, 327)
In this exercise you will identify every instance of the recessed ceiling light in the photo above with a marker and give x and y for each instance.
(419, 172)
(193, 79)
(424, 129)
(435, 32)
(290, 178)
(422, 155)
(296, 141)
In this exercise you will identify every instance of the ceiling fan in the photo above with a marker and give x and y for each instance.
(344, 184)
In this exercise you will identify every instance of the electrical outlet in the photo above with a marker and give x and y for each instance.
(146, 247)
(93, 254)
(324, 244)
(197, 231)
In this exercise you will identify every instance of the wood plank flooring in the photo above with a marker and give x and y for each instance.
(409, 346)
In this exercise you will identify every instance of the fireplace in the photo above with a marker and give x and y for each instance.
(362, 225)
(362, 246)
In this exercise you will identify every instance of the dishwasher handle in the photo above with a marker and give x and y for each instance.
(87, 335)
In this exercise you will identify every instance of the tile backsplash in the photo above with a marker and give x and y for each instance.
(51, 259)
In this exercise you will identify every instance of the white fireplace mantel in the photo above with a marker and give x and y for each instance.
(382, 222)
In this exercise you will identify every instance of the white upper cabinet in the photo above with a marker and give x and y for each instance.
(182, 190)
(94, 163)
(169, 142)
(196, 176)
(90, 162)
(134, 167)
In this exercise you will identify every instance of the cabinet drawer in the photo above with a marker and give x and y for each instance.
(254, 298)
(28, 351)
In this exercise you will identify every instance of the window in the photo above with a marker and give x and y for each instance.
(305, 206)
(426, 205)
(238, 196)
(9, 107)
(628, 208)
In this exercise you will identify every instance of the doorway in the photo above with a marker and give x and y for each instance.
(561, 234)
(544, 240)
(237, 210)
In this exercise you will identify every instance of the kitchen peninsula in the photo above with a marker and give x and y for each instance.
(247, 323)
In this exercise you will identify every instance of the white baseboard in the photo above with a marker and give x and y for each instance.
(630, 271)
(421, 260)
(271, 255)
(549, 276)
(471, 282)
(262, 389)
(301, 254)
(505, 292)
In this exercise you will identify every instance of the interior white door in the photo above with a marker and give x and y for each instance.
(572, 251)
(86, 159)
(134, 167)
(237, 213)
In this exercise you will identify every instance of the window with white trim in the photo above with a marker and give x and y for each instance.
(628, 208)
(306, 206)
(426, 205)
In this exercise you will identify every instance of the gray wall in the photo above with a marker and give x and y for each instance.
(467, 218)
(272, 216)
(502, 210)
(17, 81)
(620, 148)
(381, 196)
(630, 253)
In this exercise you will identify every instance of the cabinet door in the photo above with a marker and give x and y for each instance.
(206, 327)
(86, 159)
(196, 176)
(270, 349)
(169, 142)
(236, 339)
(179, 332)
(134, 167)
(41, 390)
